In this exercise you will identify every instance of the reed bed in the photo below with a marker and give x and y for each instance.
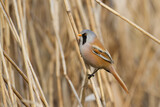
(40, 63)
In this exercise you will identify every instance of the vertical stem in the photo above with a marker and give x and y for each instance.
(60, 99)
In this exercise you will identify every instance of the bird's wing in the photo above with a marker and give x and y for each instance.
(101, 53)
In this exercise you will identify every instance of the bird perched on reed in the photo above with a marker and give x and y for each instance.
(95, 55)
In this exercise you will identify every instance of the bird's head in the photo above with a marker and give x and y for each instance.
(86, 36)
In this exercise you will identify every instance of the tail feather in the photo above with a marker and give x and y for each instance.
(115, 74)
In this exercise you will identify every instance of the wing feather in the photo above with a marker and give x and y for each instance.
(101, 53)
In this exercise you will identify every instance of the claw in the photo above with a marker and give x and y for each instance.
(90, 75)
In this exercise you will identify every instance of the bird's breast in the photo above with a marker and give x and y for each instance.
(90, 58)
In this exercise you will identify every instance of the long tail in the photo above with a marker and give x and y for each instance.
(115, 74)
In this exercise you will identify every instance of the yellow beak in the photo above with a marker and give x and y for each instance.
(79, 34)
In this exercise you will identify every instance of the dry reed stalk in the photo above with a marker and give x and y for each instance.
(22, 22)
(6, 47)
(54, 13)
(25, 53)
(37, 54)
(37, 98)
(16, 67)
(94, 27)
(43, 99)
(2, 85)
(73, 89)
(48, 39)
(17, 93)
(129, 49)
(91, 16)
(7, 76)
(83, 89)
(128, 21)
(76, 33)
(82, 14)
(117, 94)
(2, 89)
(75, 30)
(51, 82)
(1, 28)
(150, 67)
(95, 91)
(108, 86)
(85, 83)
(77, 17)
(22, 15)
(9, 21)
(70, 17)
(29, 75)
(55, 21)
(101, 88)
(139, 73)
(68, 10)
(7, 96)
(60, 99)
(26, 79)
(75, 44)
(97, 18)
(8, 44)
(6, 27)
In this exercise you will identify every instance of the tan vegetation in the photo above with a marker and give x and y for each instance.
(40, 63)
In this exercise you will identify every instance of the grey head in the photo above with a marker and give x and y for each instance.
(87, 36)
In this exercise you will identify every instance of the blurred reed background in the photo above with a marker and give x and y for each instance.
(40, 64)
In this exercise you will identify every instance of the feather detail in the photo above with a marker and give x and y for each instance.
(101, 53)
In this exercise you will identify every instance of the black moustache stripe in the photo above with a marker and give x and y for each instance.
(84, 39)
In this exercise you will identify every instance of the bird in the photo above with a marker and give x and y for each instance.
(94, 54)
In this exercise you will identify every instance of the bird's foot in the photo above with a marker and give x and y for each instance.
(90, 75)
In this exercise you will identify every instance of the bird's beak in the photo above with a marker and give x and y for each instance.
(114, 73)
(80, 35)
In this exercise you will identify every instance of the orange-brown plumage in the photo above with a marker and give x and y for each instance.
(94, 54)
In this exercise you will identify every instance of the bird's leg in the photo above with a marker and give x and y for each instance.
(92, 75)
